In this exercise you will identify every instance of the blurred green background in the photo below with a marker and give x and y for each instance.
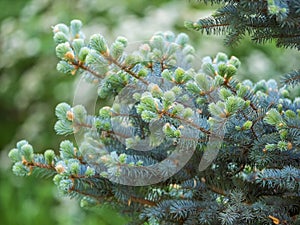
(30, 86)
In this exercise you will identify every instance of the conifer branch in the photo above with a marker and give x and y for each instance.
(88, 69)
(125, 68)
(251, 175)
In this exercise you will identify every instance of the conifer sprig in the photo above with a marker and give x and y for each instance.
(263, 20)
(141, 152)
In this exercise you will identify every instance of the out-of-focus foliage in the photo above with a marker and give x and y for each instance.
(30, 86)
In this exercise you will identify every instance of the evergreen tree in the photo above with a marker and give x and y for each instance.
(263, 20)
(173, 144)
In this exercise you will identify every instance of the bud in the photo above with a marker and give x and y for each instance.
(67, 150)
(74, 167)
(122, 158)
(63, 50)
(187, 113)
(225, 93)
(238, 128)
(177, 90)
(87, 202)
(177, 109)
(169, 98)
(270, 147)
(283, 133)
(242, 91)
(177, 133)
(20, 170)
(105, 112)
(148, 116)
(89, 171)
(179, 75)
(98, 43)
(75, 27)
(233, 104)
(202, 81)
(61, 28)
(290, 114)
(182, 39)
(209, 69)
(222, 69)
(27, 152)
(188, 50)
(221, 57)
(80, 114)
(167, 74)
(282, 145)
(117, 49)
(167, 129)
(234, 61)
(65, 67)
(247, 125)
(143, 73)
(61, 110)
(122, 40)
(157, 42)
(60, 37)
(273, 117)
(77, 45)
(49, 156)
(192, 87)
(21, 143)
(155, 90)
(230, 71)
(15, 155)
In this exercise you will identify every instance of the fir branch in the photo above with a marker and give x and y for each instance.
(88, 69)
(231, 87)
(125, 68)
(286, 178)
(189, 122)
(33, 165)
(291, 79)
(263, 20)
(254, 179)
(209, 25)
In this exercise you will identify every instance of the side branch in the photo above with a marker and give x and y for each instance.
(125, 68)
(88, 69)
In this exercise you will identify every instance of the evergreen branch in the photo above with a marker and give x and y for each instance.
(209, 24)
(288, 178)
(263, 20)
(291, 79)
(88, 69)
(254, 179)
(245, 98)
(83, 193)
(234, 37)
(123, 67)
(189, 122)
(32, 165)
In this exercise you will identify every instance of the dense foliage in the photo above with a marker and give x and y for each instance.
(173, 143)
(263, 20)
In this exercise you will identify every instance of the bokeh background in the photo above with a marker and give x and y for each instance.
(30, 86)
